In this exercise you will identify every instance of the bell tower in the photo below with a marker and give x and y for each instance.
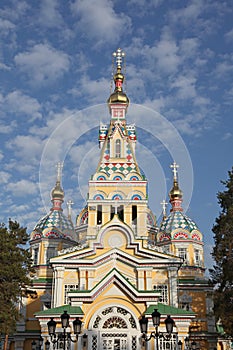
(118, 189)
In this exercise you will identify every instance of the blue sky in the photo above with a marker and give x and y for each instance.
(55, 69)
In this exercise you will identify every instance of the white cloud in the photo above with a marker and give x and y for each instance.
(49, 15)
(22, 188)
(4, 177)
(144, 6)
(6, 26)
(95, 91)
(225, 67)
(3, 66)
(15, 10)
(185, 86)
(20, 104)
(227, 136)
(229, 36)
(6, 129)
(189, 13)
(27, 147)
(43, 63)
(189, 47)
(99, 21)
(163, 56)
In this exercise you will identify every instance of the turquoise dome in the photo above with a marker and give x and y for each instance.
(177, 220)
(55, 225)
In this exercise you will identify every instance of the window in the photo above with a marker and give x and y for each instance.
(182, 253)
(120, 212)
(36, 255)
(68, 288)
(185, 301)
(197, 257)
(163, 289)
(166, 249)
(134, 214)
(99, 215)
(118, 148)
(51, 252)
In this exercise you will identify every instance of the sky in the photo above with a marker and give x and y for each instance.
(56, 72)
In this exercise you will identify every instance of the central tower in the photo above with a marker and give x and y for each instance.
(118, 189)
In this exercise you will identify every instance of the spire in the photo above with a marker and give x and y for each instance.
(69, 206)
(164, 207)
(57, 193)
(118, 97)
(175, 193)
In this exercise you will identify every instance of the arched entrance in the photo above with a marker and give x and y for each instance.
(113, 328)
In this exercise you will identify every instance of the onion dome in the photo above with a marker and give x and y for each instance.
(55, 224)
(175, 191)
(175, 194)
(177, 224)
(177, 220)
(118, 96)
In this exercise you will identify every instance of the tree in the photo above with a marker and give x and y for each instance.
(15, 270)
(222, 272)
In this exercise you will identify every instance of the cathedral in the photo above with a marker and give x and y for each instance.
(117, 279)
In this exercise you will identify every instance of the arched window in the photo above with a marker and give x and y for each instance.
(118, 148)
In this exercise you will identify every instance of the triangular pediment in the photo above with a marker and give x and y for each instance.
(119, 284)
(136, 257)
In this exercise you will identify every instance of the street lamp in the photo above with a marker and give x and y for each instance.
(64, 337)
(33, 345)
(180, 344)
(37, 345)
(169, 322)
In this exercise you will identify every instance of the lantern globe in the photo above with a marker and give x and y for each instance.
(156, 318)
(77, 324)
(169, 322)
(143, 324)
(51, 326)
(65, 319)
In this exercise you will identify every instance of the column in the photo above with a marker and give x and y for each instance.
(172, 278)
(58, 286)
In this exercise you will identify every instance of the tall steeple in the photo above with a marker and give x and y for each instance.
(118, 101)
(57, 193)
(118, 186)
(176, 195)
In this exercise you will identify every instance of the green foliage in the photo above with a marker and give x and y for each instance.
(222, 272)
(15, 270)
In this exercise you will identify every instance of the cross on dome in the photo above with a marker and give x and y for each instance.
(59, 171)
(164, 207)
(174, 167)
(119, 54)
(69, 207)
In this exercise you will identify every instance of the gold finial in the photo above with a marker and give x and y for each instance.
(118, 96)
(175, 191)
(174, 167)
(57, 191)
(164, 207)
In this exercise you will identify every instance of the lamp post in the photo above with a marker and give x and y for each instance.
(64, 337)
(180, 344)
(37, 345)
(169, 322)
